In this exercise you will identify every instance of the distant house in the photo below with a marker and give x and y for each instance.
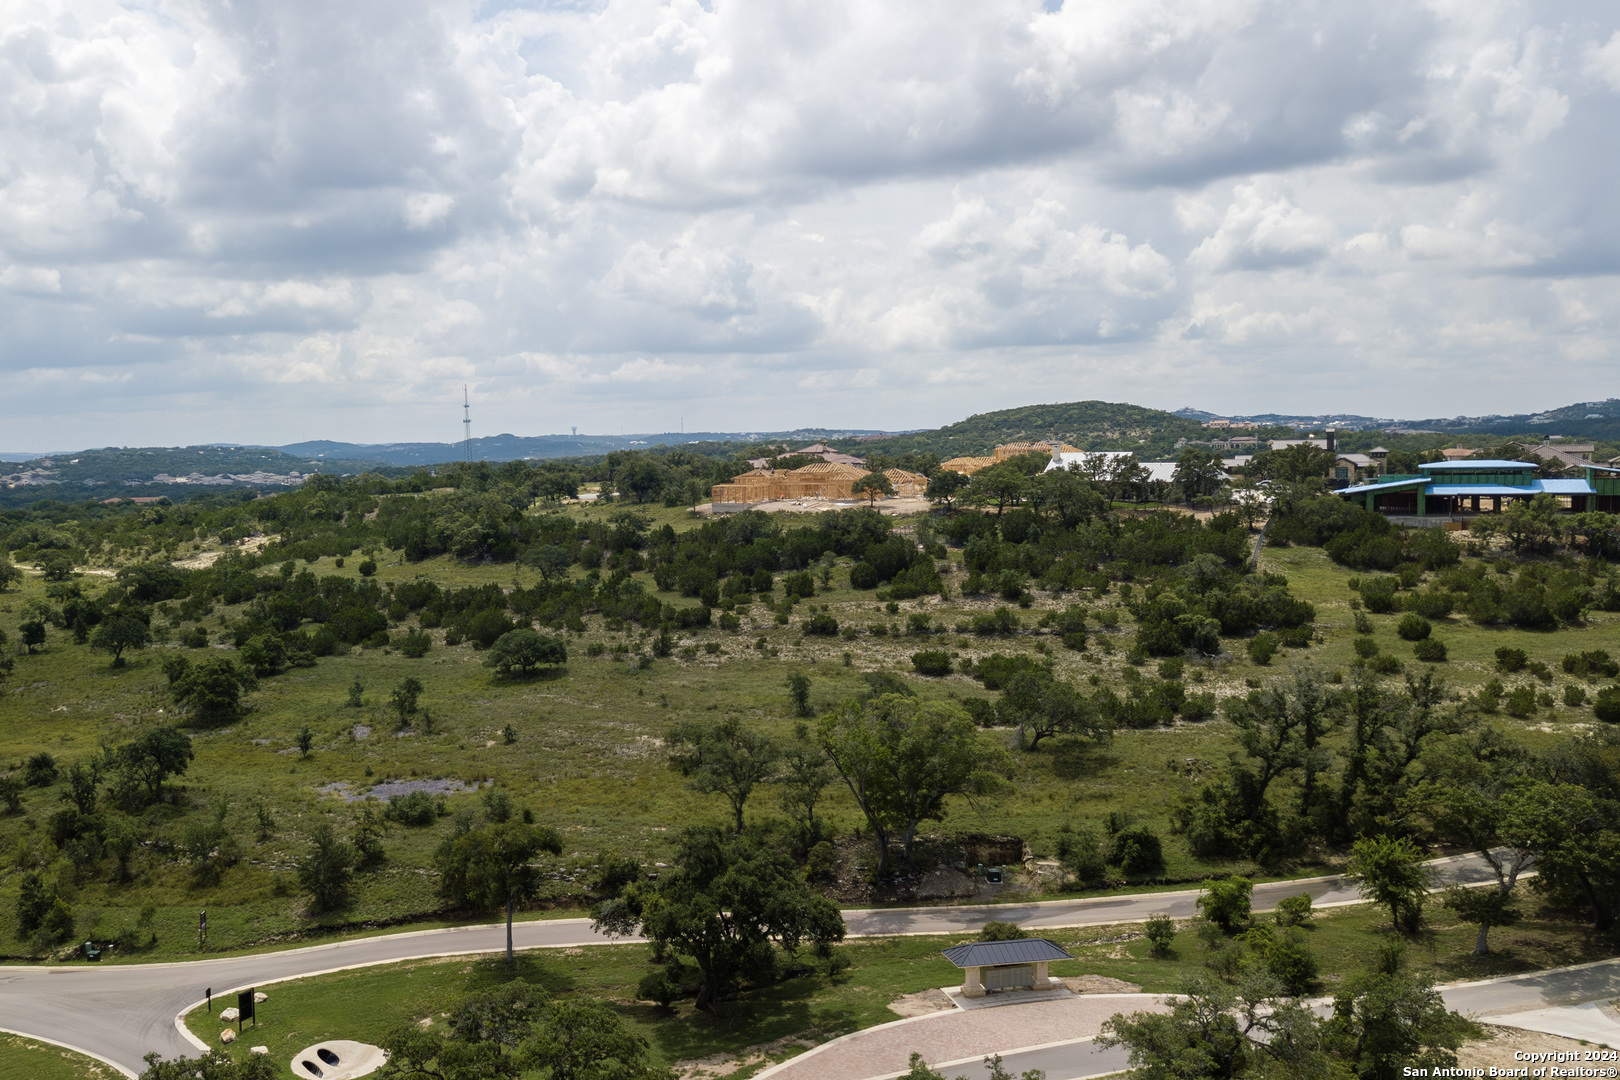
(1354, 468)
(1378, 454)
(1283, 444)
(1567, 456)
(1457, 453)
(967, 466)
(1072, 458)
(820, 451)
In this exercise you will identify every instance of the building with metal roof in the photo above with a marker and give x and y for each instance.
(1463, 487)
(1006, 965)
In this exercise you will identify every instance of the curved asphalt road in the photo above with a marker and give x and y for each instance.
(1484, 1000)
(119, 1013)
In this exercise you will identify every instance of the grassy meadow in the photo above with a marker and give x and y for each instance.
(586, 750)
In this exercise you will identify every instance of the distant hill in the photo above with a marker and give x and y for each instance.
(177, 472)
(1089, 425)
(534, 447)
(1598, 420)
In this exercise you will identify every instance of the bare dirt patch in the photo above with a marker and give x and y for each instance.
(929, 1001)
(204, 559)
(1099, 984)
(725, 1064)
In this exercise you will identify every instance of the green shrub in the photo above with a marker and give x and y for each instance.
(1510, 660)
(1386, 665)
(997, 671)
(414, 808)
(821, 864)
(1160, 931)
(1295, 637)
(1294, 910)
(1172, 667)
(1413, 627)
(416, 644)
(1539, 670)
(1262, 647)
(1138, 852)
(799, 584)
(1595, 664)
(1378, 594)
(1574, 695)
(932, 662)
(822, 625)
(1521, 702)
(658, 987)
(1290, 960)
(1366, 648)
(1606, 706)
(998, 622)
(1198, 707)
(1002, 931)
(1430, 650)
(1432, 603)
(1225, 903)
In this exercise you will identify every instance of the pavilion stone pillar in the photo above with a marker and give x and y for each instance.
(971, 985)
(1041, 981)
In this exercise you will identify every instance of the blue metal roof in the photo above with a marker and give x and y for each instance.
(1001, 953)
(1481, 489)
(1391, 485)
(1567, 487)
(1435, 487)
(1468, 464)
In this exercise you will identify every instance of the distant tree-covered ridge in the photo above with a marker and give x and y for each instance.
(1089, 425)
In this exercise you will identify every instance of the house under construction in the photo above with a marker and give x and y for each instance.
(820, 481)
(967, 466)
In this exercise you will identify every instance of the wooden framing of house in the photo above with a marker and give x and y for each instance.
(819, 480)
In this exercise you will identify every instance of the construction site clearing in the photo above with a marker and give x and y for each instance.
(820, 481)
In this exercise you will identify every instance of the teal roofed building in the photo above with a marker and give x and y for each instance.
(1449, 488)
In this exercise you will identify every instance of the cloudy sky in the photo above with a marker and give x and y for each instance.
(267, 221)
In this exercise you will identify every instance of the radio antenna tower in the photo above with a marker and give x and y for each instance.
(466, 422)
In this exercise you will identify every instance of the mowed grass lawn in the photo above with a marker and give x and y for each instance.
(26, 1059)
(775, 1022)
(588, 756)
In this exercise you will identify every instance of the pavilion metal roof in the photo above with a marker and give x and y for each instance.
(1387, 485)
(1469, 463)
(1481, 489)
(1002, 953)
(1567, 487)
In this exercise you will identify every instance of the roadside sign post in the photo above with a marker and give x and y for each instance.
(244, 1008)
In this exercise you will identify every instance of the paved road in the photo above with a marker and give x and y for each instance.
(120, 1012)
(1486, 1000)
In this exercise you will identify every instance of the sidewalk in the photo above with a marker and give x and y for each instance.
(958, 1034)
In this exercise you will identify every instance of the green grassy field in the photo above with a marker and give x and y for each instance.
(588, 755)
(771, 1023)
(25, 1059)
